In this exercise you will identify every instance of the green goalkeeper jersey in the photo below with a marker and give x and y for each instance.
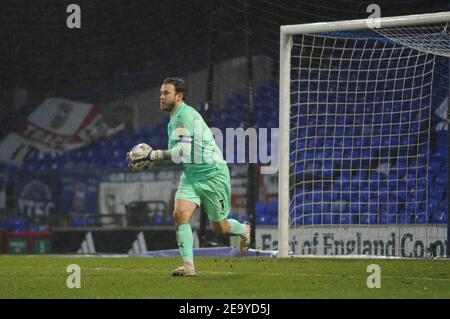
(192, 143)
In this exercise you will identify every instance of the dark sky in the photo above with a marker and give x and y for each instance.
(37, 47)
(38, 51)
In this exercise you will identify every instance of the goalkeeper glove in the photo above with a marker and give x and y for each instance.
(139, 158)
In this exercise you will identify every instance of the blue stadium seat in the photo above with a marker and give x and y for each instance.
(158, 219)
(307, 208)
(373, 206)
(346, 219)
(440, 217)
(434, 167)
(421, 218)
(392, 207)
(263, 219)
(405, 219)
(272, 208)
(273, 220)
(305, 219)
(387, 219)
(244, 218)
(78, 222)
(335, 219)
(16, 224)
(368, 219)
(326, 219)
(412, 208)
(316, 219)
(440, 154)
(169, 220)
(432, 205)
(357, 207)
(327, 169)
(443, 205)
(260, 208)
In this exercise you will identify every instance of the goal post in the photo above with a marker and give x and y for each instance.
(355, 112)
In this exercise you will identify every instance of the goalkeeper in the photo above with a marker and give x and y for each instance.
(205, 179)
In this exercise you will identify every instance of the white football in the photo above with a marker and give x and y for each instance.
(139, 151)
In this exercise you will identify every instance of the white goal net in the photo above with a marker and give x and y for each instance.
(355, 119)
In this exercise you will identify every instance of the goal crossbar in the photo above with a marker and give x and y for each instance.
(358, 24)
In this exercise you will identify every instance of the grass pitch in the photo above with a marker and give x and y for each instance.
(219, 277)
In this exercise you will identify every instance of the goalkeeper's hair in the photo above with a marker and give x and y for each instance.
(179, 84)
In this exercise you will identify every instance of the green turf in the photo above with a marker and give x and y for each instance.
(45, 277)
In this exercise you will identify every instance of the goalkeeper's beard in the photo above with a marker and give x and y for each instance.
(167, 107)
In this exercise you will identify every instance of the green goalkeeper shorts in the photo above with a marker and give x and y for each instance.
(213, 194)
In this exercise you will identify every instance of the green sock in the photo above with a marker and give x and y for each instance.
(236, 227)
(185, 241)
